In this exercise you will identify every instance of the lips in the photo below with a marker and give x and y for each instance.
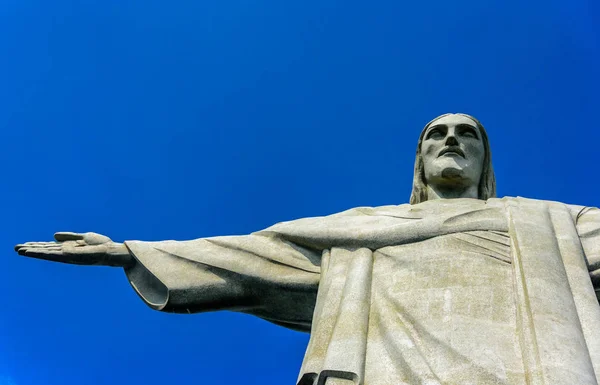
(452, 150)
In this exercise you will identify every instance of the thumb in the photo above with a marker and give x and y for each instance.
(95, 239)
(64, 236)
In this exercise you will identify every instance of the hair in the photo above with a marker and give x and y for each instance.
(487, 183)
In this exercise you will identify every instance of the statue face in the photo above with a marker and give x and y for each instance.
(453, 152)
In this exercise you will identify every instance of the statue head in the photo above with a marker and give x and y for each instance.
(453, 155)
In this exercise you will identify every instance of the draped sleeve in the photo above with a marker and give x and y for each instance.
(266, 276)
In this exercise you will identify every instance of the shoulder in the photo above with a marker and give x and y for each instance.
(376, 211)
(577, 211)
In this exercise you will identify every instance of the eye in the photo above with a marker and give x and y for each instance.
(435, 133)
(468, 132)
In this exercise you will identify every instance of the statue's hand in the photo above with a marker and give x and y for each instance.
(79, 249)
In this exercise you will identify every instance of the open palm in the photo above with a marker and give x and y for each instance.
(79, 249)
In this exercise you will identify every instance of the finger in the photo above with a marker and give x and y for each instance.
(43, 249)
(34, 244)
(51, 255)
(68, 236)
(49, 247)
(55, 255)
(37, 244)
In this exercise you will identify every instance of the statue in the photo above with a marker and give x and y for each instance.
(457, 287)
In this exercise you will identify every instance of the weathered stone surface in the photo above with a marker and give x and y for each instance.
(458, 287)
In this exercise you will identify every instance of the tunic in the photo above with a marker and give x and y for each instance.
(457, 291)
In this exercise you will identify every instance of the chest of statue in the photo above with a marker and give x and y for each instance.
(460, 303)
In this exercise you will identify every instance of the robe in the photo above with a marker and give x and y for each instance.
(459, 291)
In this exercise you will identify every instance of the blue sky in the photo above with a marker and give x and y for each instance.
(176, 120)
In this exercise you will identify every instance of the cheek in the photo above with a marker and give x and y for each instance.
(476, 151)
(428, 149)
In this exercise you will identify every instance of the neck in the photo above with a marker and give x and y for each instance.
(452, 192)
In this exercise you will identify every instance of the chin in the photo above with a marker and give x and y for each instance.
(452, 173)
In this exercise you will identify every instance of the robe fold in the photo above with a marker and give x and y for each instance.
(458, 291)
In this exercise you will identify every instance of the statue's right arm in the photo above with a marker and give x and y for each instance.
(273, 273)
(263, 275)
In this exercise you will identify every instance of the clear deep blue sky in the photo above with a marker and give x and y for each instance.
(156, 120)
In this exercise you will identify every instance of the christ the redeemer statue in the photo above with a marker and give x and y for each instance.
(457, 287)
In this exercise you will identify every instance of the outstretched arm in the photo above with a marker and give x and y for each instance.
(273, 274)
(79, 249)
(261, 275)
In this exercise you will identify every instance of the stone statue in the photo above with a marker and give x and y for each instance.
(457, 287)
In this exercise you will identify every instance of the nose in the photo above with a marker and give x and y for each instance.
(451, 140)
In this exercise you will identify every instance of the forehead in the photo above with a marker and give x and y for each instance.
(453, 120)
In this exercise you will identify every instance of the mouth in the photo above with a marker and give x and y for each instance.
(452, 151)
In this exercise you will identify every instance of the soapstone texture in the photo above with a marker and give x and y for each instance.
(441, 292)
(458, 287)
